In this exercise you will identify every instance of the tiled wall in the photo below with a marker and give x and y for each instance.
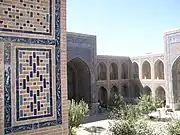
(33, 90)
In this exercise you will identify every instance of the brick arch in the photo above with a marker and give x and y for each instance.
(124, 70)
(113, 71)
(176, 78)
(103, 95)
(114, 90)
(159, 69)
(101, 71)
(135, 69)
(146, 70)
(147, 90)
(79, 80)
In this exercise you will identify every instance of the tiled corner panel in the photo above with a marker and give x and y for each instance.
(32, 94)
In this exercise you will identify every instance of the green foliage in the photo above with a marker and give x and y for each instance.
(174, 128)
(116, 106)
(116, 101)
(148, 104)
(127, 116)
(77, 112)
(126, 127)
(122, 128)
(142, 128)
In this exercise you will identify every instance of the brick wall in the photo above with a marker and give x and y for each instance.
(33, 74)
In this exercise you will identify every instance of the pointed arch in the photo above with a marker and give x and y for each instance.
(135, 69)
(79, 80)
(147, 90)
(114, 90)
(137, 91)
(146, 70)
(159, 69)
(124, 71)
(113, 71)
(176, 79)
(124, 91)
(102, 71)
(102, 95)
(160, 93)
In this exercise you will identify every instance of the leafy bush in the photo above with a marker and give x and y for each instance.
(142, 128)
(77, 112)
(122, 128)
(148, 104)
(126, 127)
(174, 128)
(116, 101)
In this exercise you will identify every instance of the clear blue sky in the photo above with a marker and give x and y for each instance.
(124, 27)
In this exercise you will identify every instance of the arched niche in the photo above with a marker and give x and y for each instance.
(124, 71)
(146, 70)
(79, 80)
(113, 71)
(135, 69)
(102, 71)
(159, 69)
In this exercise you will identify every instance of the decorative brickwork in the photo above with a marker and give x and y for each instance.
(34, 83)
(33, 100)
(24, 16)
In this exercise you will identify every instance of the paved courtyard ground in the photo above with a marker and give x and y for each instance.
(101, 127)
(94, 128)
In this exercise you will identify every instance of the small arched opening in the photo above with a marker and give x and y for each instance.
(113, 71)
(124, 71)
(102, 71)
(114, 90)
(135, 69)
(102, 96)
(147, 91)
(159, 69)
(161, 94)
(146, 70)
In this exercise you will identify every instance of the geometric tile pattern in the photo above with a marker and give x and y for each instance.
(33, 83)
(26, 16)
(32, 95)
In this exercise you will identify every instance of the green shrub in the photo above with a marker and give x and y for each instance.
(148, 104)
(126, 127)
(122, 128)
(77, 112)
(116, 102)
(174, 128)
(142, 128)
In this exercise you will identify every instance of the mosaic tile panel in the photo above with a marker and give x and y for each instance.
(26, 16)
(18, 118)
(33, 83)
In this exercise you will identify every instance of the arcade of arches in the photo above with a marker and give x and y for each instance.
(79, 79)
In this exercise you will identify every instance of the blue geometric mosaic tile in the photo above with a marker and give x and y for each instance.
(26, 95)
(33, 77)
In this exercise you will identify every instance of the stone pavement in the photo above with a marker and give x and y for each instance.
(94, 128)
